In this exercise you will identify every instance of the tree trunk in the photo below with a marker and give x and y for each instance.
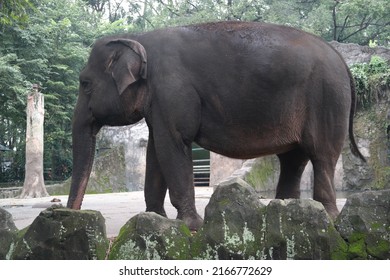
(34, 185)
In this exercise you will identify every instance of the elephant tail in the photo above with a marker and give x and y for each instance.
(353, 146)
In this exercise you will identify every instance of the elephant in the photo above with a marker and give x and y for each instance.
(240, 89)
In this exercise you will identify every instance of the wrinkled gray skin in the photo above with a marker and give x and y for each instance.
(242, 90)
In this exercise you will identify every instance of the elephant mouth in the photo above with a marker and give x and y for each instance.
(120, 120)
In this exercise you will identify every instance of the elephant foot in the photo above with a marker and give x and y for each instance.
(161, 212)
(332, 211)
(193, 221)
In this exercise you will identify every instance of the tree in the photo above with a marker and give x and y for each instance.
(159, 13)
(49, 49)
(357, 21)
(14, 11)
(13, 89)
(34, 185)
(50, 52)
(361, 21)
(113, 9)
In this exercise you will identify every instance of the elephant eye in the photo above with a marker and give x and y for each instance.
(86, 86)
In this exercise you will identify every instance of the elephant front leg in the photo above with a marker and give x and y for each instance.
(155, 186)
(292, 165)
(175, 159)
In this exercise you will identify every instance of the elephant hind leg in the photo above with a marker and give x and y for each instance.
(323, 190)
(292, 165)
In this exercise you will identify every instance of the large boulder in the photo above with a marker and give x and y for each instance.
(238, 226)
(301, 229)
(149, 236)
(365, 223)
(233, 225)
(354, 53)
(120, 163)
(64, 234)
(8, 234)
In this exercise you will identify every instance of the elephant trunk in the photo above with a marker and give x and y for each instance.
(84, 132)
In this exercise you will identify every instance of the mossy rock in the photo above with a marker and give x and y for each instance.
(63, 234)
(264, 174)
(108, 172)
(300, 229)
(8, 234)
(238, 226)
(233, 224)
(149, 236)
(365, 223)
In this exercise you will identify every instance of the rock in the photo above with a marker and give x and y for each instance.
(8, 234)
(64, 234)
(357, 174)
(221, 168)
(121, 160)
(149, 236)
(354, 53)
(365, 223)
(233, 224)
(238, 226)
(6, 221)
(108, 173)
(301, 229)
(261, 173)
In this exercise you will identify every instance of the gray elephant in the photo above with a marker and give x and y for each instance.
(239, 89)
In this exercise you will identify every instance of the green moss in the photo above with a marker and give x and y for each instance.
(365, 246)
(123, 237)
(201, 250)
(357, 247)
(341, 253)
(177, 243)
(224, 202)
(339, 248)
(101, 248)
(380, 249)
(171, 242)
(22, 232)
(124, 247)
(198, 244)
(375, 226)
(261, 173)
(185, 230)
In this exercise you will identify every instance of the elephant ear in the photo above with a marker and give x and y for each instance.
(124, 69)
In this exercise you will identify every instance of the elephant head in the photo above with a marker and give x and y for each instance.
(112, 92)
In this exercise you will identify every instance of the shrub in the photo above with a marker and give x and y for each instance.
(371, 80)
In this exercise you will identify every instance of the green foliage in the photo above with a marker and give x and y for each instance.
(50, 52)
(356, 21)
(262, 174)
(14, 11)
(13, 88)
(370, 80)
